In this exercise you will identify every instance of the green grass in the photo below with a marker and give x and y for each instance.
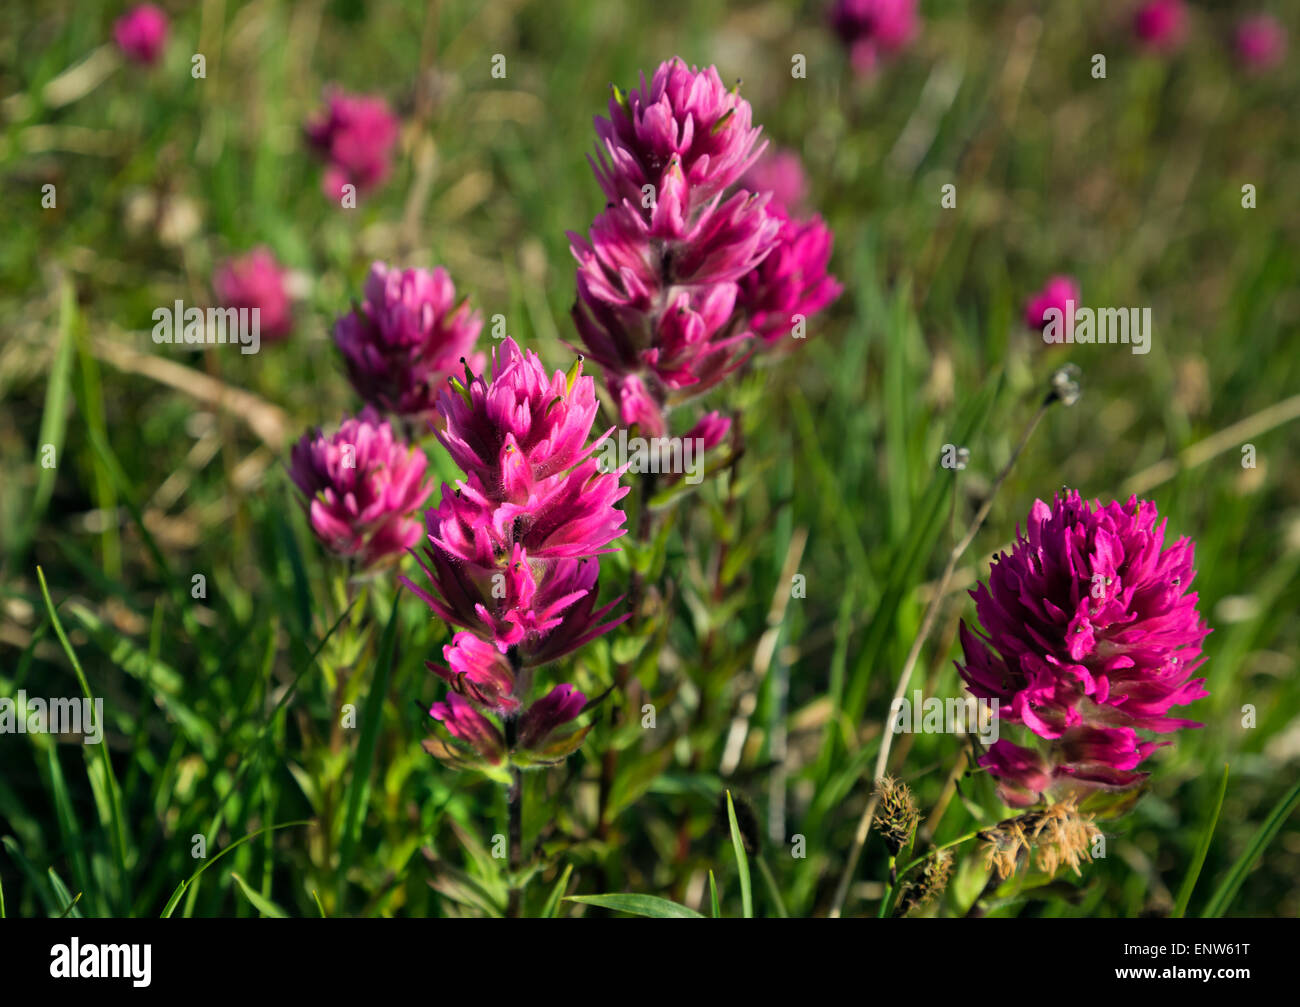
(223, 713)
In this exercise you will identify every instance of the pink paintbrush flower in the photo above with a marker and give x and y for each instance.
(1058, 291)
(478, 671)
(1261, 42)
(691, 218)
(512, 553)
(1090, 634)
(1160, 24)
(256, 280)
(684, 121)
(522, 425)
(141, 33)
(872, 29)
(478, 737)
(402, 343)
(355, 136)
(657, 274)
(361, 488)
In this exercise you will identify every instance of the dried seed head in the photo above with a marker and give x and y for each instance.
(1057, 835)
(929, 884)
(897, 815)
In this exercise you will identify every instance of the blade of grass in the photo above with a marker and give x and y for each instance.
(65, 897)
(772, 890)
(72, 838)
(713, 897)
(1232, 882)
(180, 889)
(260, 902)
(106, 790)
(638, 905)
(553, 899)
(359, 786)
(1194, 871)
(25, 865)
(54, 419)
(742, 862)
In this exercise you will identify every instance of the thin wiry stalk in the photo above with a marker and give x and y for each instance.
(927, 624)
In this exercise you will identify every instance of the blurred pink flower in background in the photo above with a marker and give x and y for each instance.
(1160, 24)
(141, 33)
(1261, 42)
(361, 487)
(256, 280)
(355, 136)
(1058, 290)
(872, 29)
(781, 173)
(406, 338)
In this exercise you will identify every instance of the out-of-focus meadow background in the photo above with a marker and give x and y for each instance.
(222, 718)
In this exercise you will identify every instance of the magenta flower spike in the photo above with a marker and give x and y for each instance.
(256, 280)
(141, 33)
(1090, 634)
(406, 338)
(513, 552)
(361, 488)
(874, 29)
(673, 270)
(791, 284)
(355, 137)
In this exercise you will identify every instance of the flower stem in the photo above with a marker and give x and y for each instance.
(927, 624)
(515, 841)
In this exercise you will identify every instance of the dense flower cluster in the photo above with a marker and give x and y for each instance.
(512, 555)
(1090, 635)
(355, 136)
(141, 33)
(671, 273)
(872, 29)
(361, 489)
(256, 280)
(408, 336)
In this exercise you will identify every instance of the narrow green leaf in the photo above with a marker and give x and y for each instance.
(553, 899)
(774, 893)
(638, 905)
(1194, 871)
(180, 889)
(742, 862)
(1231, 884)
(65, 897)
(713, 897)
(359, 785)
(107, 793)
(25, 865)
(260, 902)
